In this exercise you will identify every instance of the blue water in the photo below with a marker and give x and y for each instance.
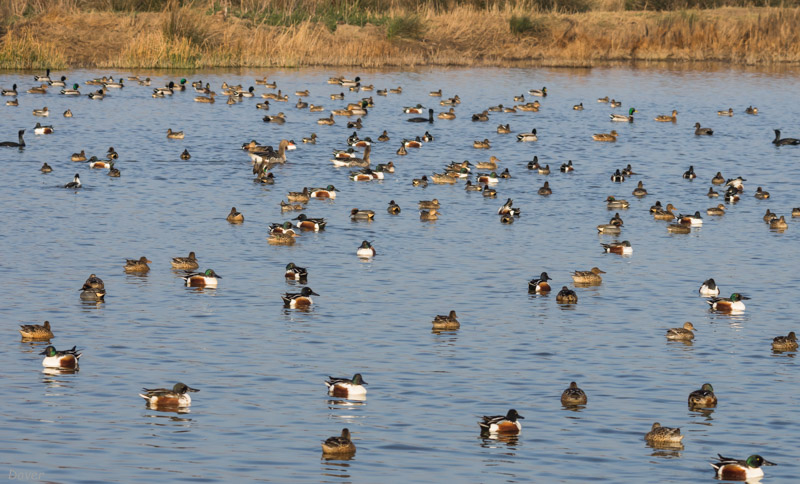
(262, 410)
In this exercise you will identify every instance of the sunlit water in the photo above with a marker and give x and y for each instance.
(262, 410)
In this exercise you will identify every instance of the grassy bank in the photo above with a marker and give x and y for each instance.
(263, 33)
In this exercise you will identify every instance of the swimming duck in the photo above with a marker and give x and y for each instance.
(693, 220)
(75, 183)
(667, 119)
(203, 99)
(339, 446)
(740, 470)
(712, 193)
(12, 102)
(115, 85)
(501, 424)
(420, 182)
(38, 89)
(185, 155)
(624, 118)
(566, 296)
(751, 110)
(728, 112)
(717, 211)
(202, 279)
(578, 107)
(679, 228)
(295, 273)
(623, 248)
(363, 215)
(602, 99)
(188, 262)
(545, 190)
(684, 333)
(397, 90)
(174, 134)
(639, 191)
(617, 177)
(612, 203)
(111, 154)
(393, 208)
(442, 178)
(450, 101)
(427, 137)
(99, 94)
(144, 82)
(137, 265)
(610, 228)
(39, 129)
(473, 188)
(41, 112)
(113, 172)
(432, 214)
(702, 131)
(327, 192)
(573, 396)
(71, 92)
(615, 104)
(9, 92)
(60, 359)
(489, 192)
(709, 288)
(590, 277)
(355, 124)
(703, 398)
(99, 164)
(272, 85)
(761, 194)
(299, 196)
(46, 168)
(538, 92)
(446, 323)
(566, 167)
(346, 387)
(485, 145)
(279, 118)
(539, 285)
(285, 229)
(166, 91)
(300, 104)
(326, 121)
(365, 250)
(779, 343)
(163, 397)
(78, 156)
(528, 136)
(779, 224)
(299, 300)
(612, 136)
(718, 179)
(737, 183)
(796, 212)
(306, 223)
(663, 435)
(451, 114)
(731, 195)
(235, 217)
(503, 129)
(41, 332)
(725, 304)
(350, 82)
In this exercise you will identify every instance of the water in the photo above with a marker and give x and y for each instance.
(262, 410)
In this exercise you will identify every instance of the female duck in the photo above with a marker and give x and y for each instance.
(719, 210)
(393, 208)
(639, 191)
(446, 322)
(612, 136)
(42, 332)
(189, 262)
(339, 445)
(591, 277)
(663, 118)
(683, 334)
(698, 131)
(235, 217)
(703, 398)
(566, 296)
(718, 179)
(663, 435)
(137, 265)
(573, 396)
(779, 343)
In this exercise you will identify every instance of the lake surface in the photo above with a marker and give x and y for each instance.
(262, 410)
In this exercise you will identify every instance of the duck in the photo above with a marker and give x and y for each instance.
(751, 110)
(306, 223)
(282, 231)
(279, 118)
(38, 89)
(71, 91)
(693, 220)
(295, 273)
(443, 178)
(365, 250)
(310, 139)
(740, 470)
(534, 165)
(43, 332)
(299, 300)
(779, 343)
(704, 397)
(447, 322)
(667, 119)
(640, 190)
(450, 101)
(545, 190)
(174, 134)
(508, 208)
(609, 228)
(349, 82)
(590, 277)
(326, 121)
(622, 248)
(137, 265)
(12, 102)
(718, 179)
(393, 208)
(602, 99)
(185, 155)
(427, 137)
(719, 210)
(339, 446)
(615, 104)
(188, 262)
(503, 129)
(346, 387)
(271, 85)
(728, 304)
(487, 178)
(487, 165)
(113, 172)
(202, 279)
(166, 91)
(573, 396)
(115, 85)
(99, 164)
(67, 359)
(397, 90)
(46, 168)
(235, 217)
(731, 195)
(737, 183)
(451, 114)
(663, 435)
(628, 170)
(689, 174)
(712, 193)
(164, 397)
(491, 193)
(299, 105)
(485, 145)
(41, 112)
(538, 92)
(39, 129)
(9, 92)
(355, 124)
(420, 182)
(528, 136)
(539, 285)
(327, 192)
(622, 117)
(678, 229)
(100, 94)
(566, 167)
(698, 131)
(617, 177)
(577, 107)
(612, 136)
(12, 144)
(111, 154)
(685, 333)
(761, 194)
(728, 112)
(501, 424)
(362, 215)
(473, 188)
(779, 224)
(75, 183)
(566, 296)
(78, 156)
(769, 216)
(44, 78)
(613, 203)
(481, 117)
(206, 99)
(709, 288)
(432, 214)
(796, 212)
(429, 119)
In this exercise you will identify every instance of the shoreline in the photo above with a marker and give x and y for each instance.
(193, 38)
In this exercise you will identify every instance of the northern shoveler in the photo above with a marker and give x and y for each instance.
(235, 217)
(346, 387)
(202, 279)
(509, 209)
(613, 203)
(684, 333)
(366, 215)
(779, 343)
(698, 131)
(164, 397)
(540, 285)
(393, 208)
(299, 300)
(566, 296)
(667, 118)
(490, 178)
(622, 248)
(295, 273)
(282, 229)
(663, 435)
(728, 304)
(448, 322)
(327, 192)
(740, 470)
(60, 359)
(39, 129)
(709, 288)
(590, 277)
(41, 332)
(137, 265)
(622, 117)
(566, 167)
(704, 397)
(573, 396)
(617, 177)
(501, 424)
(75, 183)
(306, 223)
(365, 249)
(188, 262)
(737, 183)
(693, 220)
(339, 445)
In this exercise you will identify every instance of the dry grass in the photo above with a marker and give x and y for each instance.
(202, 34)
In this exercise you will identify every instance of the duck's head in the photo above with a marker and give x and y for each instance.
(211, 273)
(306, 291)
(756, 460)
(49, 351)
(182, 388)
(358, 379)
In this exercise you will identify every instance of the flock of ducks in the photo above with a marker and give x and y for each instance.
(265, 157)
